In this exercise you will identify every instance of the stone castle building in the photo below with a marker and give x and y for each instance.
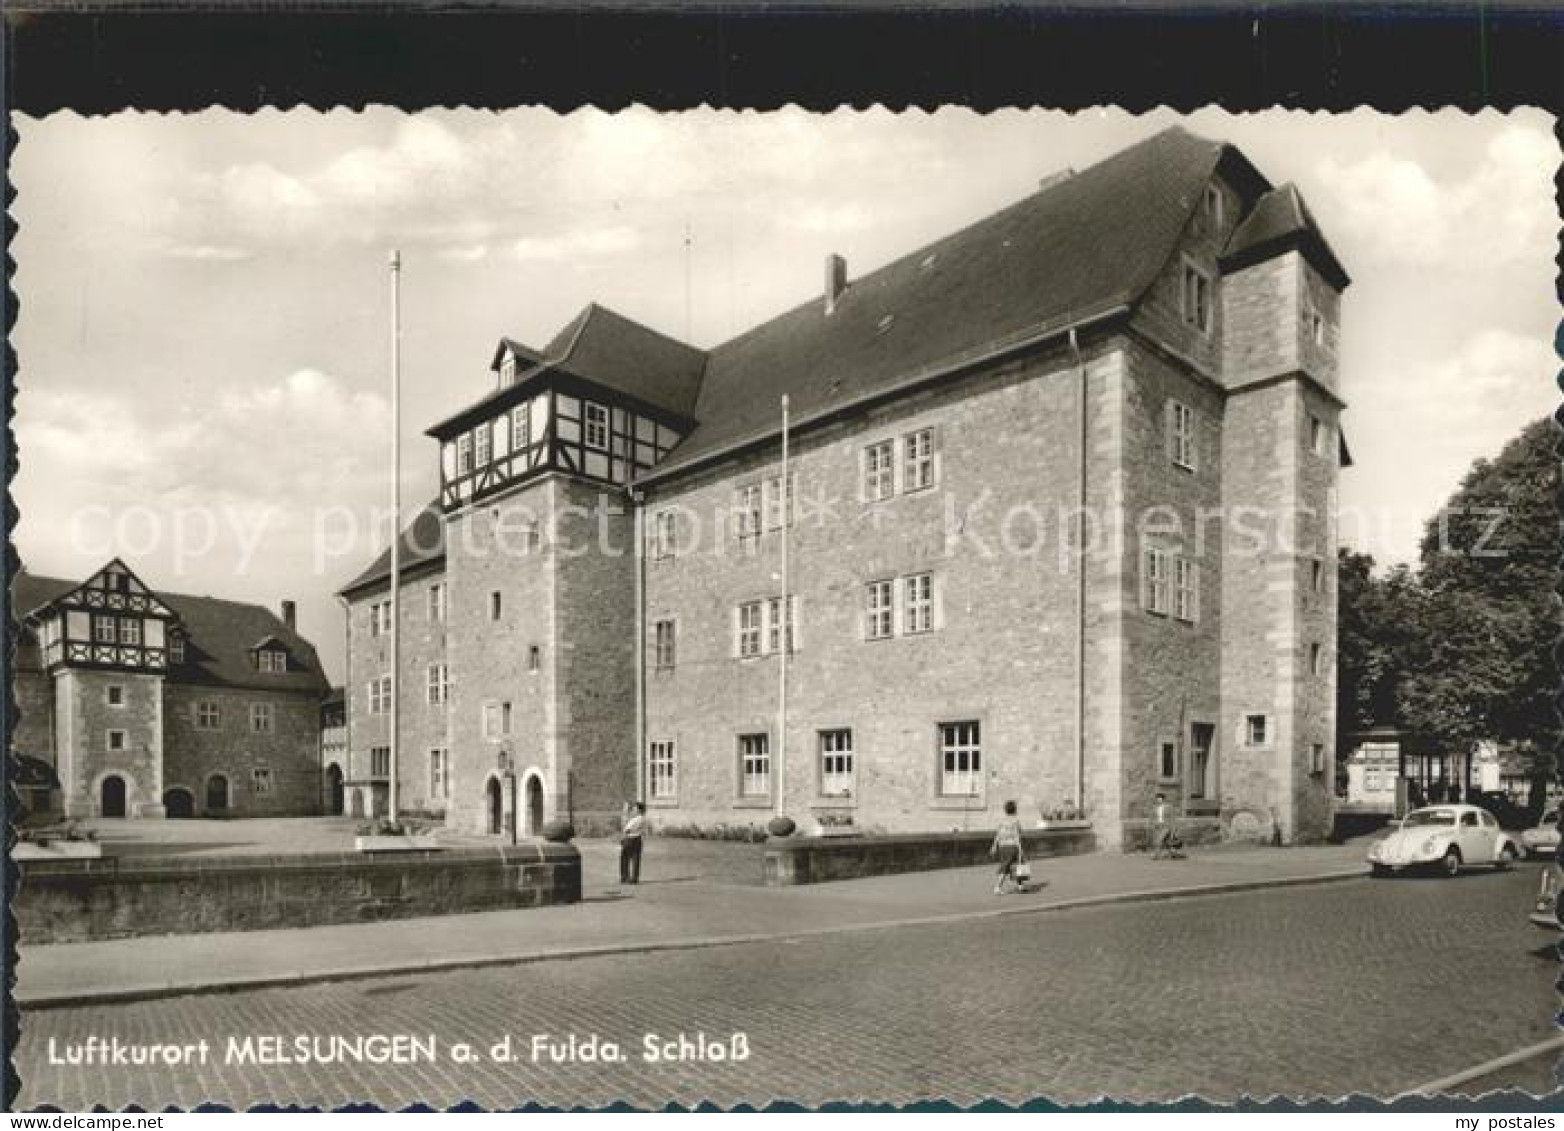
(1057, 528)
(153, 704)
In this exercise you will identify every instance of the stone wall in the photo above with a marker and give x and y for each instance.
(192, 756)
(84, 717)
(32, 723)
(81, 900)
(813, 860)
(422, 726)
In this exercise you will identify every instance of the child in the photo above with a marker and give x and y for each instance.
(1007, 848)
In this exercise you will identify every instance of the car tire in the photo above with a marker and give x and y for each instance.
(1379, 871)
(1451, 863)
(1507, 857)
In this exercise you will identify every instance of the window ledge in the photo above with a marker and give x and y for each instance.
(963, 803)
(752, 803)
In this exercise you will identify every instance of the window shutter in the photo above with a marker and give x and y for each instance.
(863, 474)
(936, 602)
(1194, 591)
(1145, 578)
(935, 461)
(737, 629)
(898, 606)
(1170, 428)
(898, 465)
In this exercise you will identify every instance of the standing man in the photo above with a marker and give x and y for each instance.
(630, 838)
(1161, 829)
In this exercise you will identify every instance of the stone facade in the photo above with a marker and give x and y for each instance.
(252, 772)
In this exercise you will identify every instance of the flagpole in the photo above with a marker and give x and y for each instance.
(396, 524)
(785, 633)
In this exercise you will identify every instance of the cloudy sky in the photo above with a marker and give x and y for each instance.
(203, 327)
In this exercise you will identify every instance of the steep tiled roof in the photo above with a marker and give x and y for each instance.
(1082, 246)
(219, 636)
(1280, 218)
(423, 541)
(611, 350)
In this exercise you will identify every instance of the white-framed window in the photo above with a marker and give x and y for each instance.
(130, 630)
(380, 695)
(261, 780)
(918, 603)
(661, 767)
(520, 426)
(960, 758)
(176, 650)
(437, 602)
(1316, 658)
(750, 623)
(1255, 730)
(117, 740)
(1317, 758)
(508, 371)
(272, 661)
(380, 618)
(496, 605)
(746, 511)
(879, 471)
(438, 686)
(1186, 590)
(836, 763)
(754, 765)
(665, 533)
(105, 630)
(464, 453)
(1213, 205)
(208, 716)
(664, 645)
(380, 761)
(496, 719)
(1196, 298)
(918, 460)
(483, 437)
(777, 503)
(262, 718)
(1167, 761)
(439, 779)
(1154, 580)
(594, 422)
(1181, 435)
(879, 610)
(114, 695)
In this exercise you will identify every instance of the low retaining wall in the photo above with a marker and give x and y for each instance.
(79, 900)
(813, 860)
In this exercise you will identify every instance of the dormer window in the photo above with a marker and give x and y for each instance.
(508, 371)
(272, 661)
(1197, 298)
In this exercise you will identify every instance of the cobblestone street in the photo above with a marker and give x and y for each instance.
(1353, 987)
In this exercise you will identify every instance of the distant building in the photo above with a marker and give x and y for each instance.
(153, 704)
(1155, 334)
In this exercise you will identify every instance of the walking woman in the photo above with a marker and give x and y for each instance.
(1007, 849)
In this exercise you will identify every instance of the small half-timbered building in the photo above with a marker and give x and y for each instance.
(152, 704)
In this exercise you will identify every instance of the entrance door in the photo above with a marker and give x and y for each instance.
(334, 790)
(1201, 736)
(496, 806)
(113, 796)
(534, 806)
(178, 804)
(217, 794)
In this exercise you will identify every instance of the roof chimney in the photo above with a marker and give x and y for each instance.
(835, 280)
(289, 614)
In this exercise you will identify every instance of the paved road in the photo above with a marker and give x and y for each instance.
(1362, 986)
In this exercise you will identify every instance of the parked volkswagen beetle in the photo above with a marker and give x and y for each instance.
(1446, 837)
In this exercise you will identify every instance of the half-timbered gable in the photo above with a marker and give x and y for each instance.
(111, 621)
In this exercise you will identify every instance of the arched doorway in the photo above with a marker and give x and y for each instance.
(217, 794)
(534, 805)
(112, 796)
(179, 804)
(334, 790)
(496, 805)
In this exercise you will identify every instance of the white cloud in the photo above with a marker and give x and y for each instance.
(1498, 213)
(208, 253)
(594, 244)
(466, 253)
